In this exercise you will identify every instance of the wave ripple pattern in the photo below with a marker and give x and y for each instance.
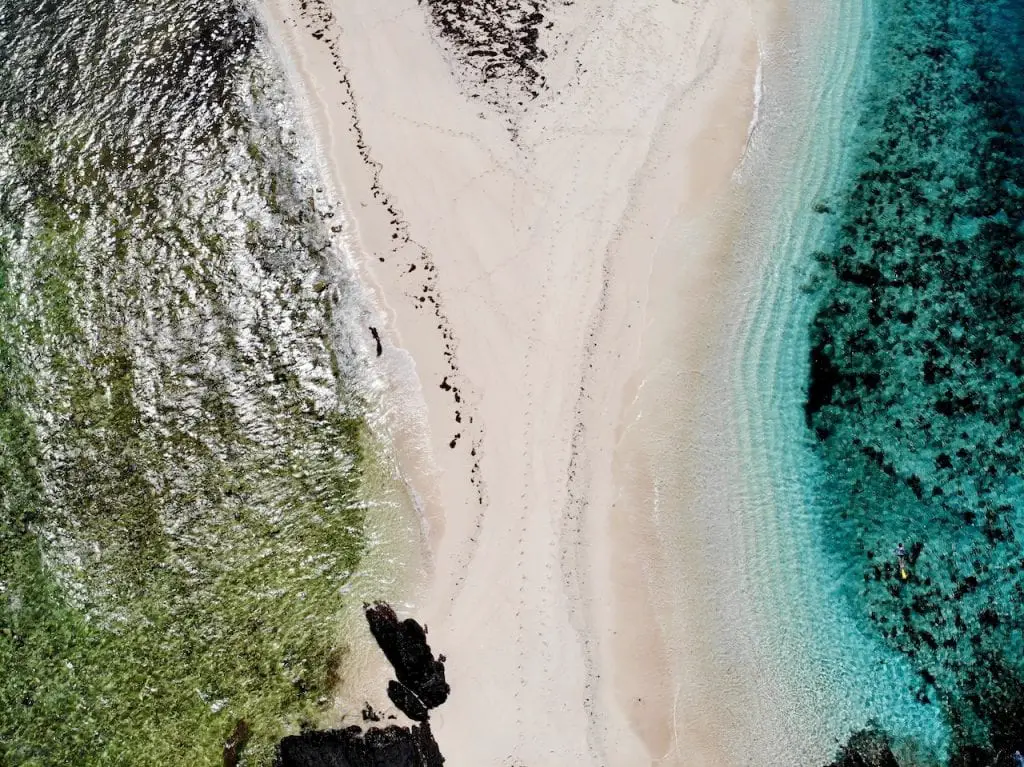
(179, 446)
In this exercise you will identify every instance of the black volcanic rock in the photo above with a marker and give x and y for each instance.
(405, 700)
(351, 747)
(421, 686)
(404, 643)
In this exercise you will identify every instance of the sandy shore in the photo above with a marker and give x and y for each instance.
(512, 248)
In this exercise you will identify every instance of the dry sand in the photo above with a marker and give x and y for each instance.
(512, 249)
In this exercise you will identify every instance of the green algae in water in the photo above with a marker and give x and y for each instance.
(179, 449)
(917, 363)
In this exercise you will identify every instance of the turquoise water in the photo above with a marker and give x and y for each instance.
(824, 673)
(182, 436)
(880, 390)
(915, 390)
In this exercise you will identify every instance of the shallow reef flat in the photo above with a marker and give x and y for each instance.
(916, 390)
(181, 431)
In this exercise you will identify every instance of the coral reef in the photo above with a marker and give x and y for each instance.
(916, 391)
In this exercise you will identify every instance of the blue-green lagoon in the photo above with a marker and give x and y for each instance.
(880, 393)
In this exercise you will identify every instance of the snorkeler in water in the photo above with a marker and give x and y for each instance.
(901, 561)
(1018, 759)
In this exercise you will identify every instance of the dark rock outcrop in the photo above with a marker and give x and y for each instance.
(421, 686)
(496, 41)
(823, 380)
(405, 700)
(404, 643)
(351, 747)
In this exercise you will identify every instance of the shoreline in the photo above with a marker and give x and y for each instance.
(788, 642)
(511, 340)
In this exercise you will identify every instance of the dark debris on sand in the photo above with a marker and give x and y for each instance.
(496, 41)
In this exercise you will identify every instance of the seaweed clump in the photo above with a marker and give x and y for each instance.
(497, 43)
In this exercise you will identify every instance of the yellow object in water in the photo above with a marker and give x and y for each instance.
(903, 573)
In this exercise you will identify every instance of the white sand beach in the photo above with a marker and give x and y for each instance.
(512, 249)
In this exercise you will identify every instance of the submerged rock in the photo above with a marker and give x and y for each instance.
(866, 748)
(916, 364)
(235, 743)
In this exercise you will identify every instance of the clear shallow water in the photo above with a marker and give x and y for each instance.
(899, 278)
(823, 674)
(182, 423)
(916, 392)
